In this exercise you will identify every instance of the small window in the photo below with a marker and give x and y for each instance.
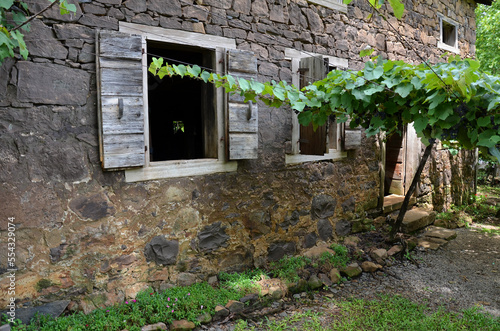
(331, 141)
(154, 128)
(182, 123)
(448, 34)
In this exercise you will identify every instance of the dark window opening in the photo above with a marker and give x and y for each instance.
(182, 120)
(449, 33)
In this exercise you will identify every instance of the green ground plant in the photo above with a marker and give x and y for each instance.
(288, 267)
(148, 307)
(245, 282)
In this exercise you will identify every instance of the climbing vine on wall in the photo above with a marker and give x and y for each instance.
(451, 101)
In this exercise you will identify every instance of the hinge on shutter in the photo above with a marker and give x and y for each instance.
(145, 148)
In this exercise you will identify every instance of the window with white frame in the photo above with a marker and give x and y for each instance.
(448, 34)
(172, 127)
(331, 141)
(332, 4)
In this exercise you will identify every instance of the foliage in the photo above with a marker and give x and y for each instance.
(481, 210)
(245, 282)
(488, 37)
(337, 260)
(13, 19)
(148, 307)
(287, 268)
(397, 313)
(451, 101)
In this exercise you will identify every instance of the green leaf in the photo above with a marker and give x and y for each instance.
(194, 70)
(231, 81)
(6, 4)
(366, 52)
(398, 8)
(244, 84)
(420, 124)
(404, 89)
(484, 121)
(205, 75)
(180, 69)
(305, 118)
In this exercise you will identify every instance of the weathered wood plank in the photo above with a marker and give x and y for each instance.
(312, 142)
(173, 36)
(352, 139)
(243, 131)
(120, 161)
(118, 45)
(243, 146)
(121, 82)
(238, 121)
(123, 143)
(120, 77)
(132, 119)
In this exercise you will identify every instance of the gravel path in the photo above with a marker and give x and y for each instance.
(462, 274)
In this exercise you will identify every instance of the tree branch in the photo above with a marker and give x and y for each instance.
(413, 186)
(31, 18)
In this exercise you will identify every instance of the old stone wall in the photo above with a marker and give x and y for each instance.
(86, 234)
(448, 179)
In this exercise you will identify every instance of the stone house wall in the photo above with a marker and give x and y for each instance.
(85, 233)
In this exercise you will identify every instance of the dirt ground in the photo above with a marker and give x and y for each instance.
(464, 273)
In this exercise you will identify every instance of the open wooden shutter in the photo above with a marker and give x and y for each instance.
(352, 137)
(242, 117)
(312, 142)
(121, 106)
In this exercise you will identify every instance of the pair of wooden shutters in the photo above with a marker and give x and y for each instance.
(319, 141)
(121, 103)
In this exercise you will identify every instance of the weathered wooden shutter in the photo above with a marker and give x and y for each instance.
(242, 117)
(121, 106)
(312, 142)
(352, 137)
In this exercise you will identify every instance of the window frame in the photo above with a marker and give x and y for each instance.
(441, 44)
(295, 157)
(332, 4)
(182, 168)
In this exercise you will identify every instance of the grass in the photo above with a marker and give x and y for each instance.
(245, 282)
(148, 307)
(397, 313)
(384, 314)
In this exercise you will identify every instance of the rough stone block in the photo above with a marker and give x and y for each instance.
(416, 219)
(154, 327)
(182, 325)
(235, 306)
(343, 227)
(325, 229)
(212, 237)
(162, 251)
(323, 206)
(440, 233)
(314, 282)
(52, 84)
(278, 250)
(40, 42)
(352, 270)
(165, 7)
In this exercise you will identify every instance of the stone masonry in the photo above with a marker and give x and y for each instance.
(85, 234)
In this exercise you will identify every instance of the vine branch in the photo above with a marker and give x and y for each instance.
(31, 18)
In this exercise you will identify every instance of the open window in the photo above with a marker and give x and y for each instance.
(448, 38)
(331, 141)
(172, 127)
